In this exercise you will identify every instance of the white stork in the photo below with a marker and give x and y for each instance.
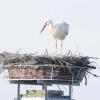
(58, 30)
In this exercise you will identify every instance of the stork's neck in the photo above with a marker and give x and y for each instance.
(50, 26)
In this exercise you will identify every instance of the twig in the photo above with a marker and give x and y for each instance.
(85, 80)
(93, 74)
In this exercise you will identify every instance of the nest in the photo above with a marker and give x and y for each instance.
(29, 66)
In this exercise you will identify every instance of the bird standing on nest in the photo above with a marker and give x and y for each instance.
(59, 30)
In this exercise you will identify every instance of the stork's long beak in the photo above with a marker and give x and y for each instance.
(43, 28)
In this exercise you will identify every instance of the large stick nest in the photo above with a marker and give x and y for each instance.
(30, 59)
(31, 66)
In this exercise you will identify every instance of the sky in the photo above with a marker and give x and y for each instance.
(20, 25)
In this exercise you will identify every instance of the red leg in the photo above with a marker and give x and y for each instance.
(61, 47)
(56, 46)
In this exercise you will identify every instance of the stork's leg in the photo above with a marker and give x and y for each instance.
(61, 47)
(56, 46)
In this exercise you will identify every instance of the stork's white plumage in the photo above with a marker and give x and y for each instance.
(58, 30)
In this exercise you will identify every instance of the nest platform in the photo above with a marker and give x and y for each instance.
(44, 67)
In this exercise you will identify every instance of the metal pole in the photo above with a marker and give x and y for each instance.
(70, 91)
(52, 73)
(45, 91)
(18, 91)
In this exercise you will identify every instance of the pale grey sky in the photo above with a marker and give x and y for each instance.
(20, 25)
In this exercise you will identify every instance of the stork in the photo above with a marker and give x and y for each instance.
(58, 31)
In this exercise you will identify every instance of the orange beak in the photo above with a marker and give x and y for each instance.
(43, 28)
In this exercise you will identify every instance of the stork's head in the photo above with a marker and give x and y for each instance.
(46, 23)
